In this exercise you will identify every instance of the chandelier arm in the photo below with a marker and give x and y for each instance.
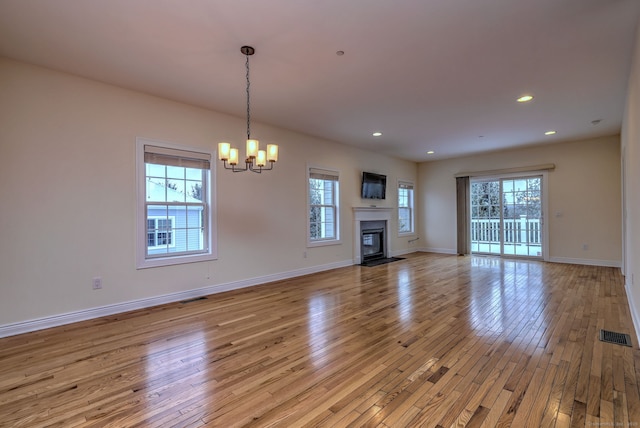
(233, 167)
(262, 168)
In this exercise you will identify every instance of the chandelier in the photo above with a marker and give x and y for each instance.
(256, 159)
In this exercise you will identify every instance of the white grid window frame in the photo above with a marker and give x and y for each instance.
(406, 208)
(192, 237)
(323, 209)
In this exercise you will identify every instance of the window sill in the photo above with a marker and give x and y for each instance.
(407, 235)
(176, 260)
(311, 244)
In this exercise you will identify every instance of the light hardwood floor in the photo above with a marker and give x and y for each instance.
(433, 340)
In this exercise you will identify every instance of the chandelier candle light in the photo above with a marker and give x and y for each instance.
(256, 159)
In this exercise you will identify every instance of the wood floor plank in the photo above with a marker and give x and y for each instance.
(492, 417)
(432, 340)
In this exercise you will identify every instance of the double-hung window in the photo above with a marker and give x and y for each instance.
(405, 208)
(175, 213)
(323, 207)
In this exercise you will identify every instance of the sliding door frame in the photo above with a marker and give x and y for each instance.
(544, 189)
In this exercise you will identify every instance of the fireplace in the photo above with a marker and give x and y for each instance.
(366, 219)
(371, 236)
(372, 244)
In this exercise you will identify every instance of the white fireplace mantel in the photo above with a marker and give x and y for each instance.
(361, 214)
(379, 213)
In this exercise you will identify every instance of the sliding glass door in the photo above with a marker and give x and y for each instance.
(506, 216)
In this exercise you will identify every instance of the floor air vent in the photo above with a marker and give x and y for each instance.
(613, 337)
(193, 300)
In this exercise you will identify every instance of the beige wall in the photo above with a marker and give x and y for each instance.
(583, 197)
(631, 160)
(67, 186)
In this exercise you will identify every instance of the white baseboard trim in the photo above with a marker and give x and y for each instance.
(438, 250)
(402, 252)
(635, 316)
(589, 262)
(87, 314)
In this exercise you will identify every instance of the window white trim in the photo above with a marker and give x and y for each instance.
(411, 207)
(326, 174)
(211, 252)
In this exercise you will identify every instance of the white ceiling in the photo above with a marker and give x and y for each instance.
(438, 75)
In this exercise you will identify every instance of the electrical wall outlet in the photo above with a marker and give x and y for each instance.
(585, 247)
(97, 283)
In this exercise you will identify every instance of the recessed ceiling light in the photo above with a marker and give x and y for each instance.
(430, 152)
(377, 134)
(550, 133)
(525, 98)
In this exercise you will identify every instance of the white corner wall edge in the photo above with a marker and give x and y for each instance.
(589, 262)
(632, 308)
(87, 314)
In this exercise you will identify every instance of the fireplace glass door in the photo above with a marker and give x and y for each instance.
(372, 244)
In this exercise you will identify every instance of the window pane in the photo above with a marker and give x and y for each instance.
(520, 184)
(175, 172)
(404, 219)
(507, 185)
(193, 174)
(154, 170)
(328, 223)
(403, 197)
(175, 191)
(180, 244)
(314, 222)
(193, 217)
(508, 198)
(179, 214)
(195, 231)
(322, 222)
(156, 211)
(194, 190)
(195, 240)
(315, 191)
(156, 190)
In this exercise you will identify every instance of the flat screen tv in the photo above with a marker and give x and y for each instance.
(374, 186)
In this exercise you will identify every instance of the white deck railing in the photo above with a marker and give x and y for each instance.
(516, 231)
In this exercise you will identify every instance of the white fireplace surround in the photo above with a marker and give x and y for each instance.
(361, 214)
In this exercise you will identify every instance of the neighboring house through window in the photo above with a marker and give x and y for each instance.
(405, 208)
(323, 207)
(175, 213)
(160, 232)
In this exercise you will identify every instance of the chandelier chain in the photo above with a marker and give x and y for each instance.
(248, 102)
